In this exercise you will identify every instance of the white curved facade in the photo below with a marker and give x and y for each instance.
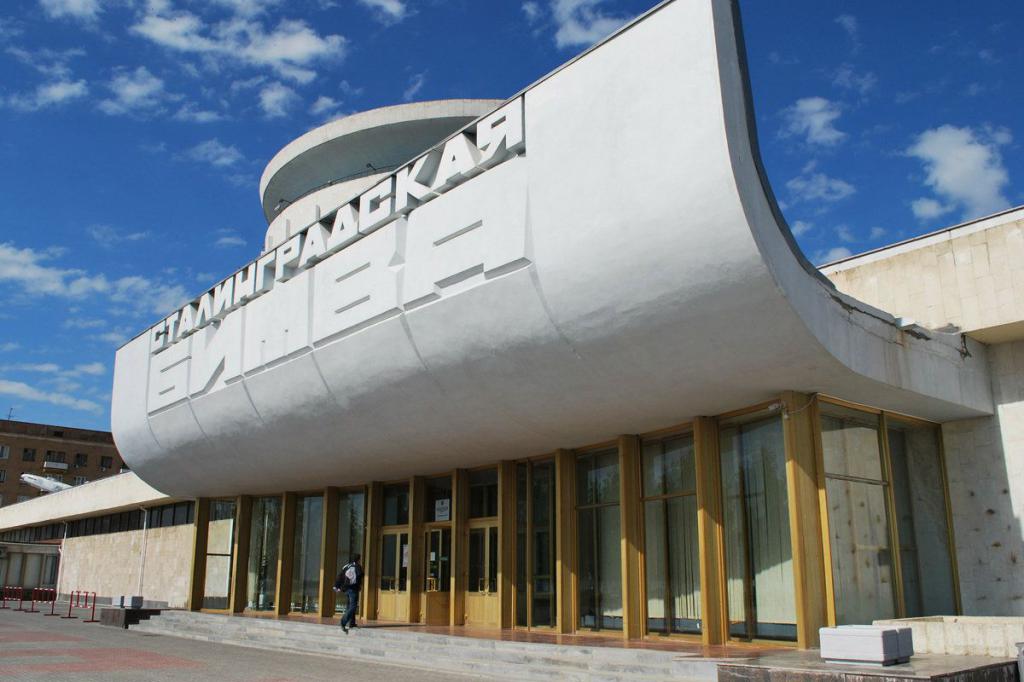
(624, 270)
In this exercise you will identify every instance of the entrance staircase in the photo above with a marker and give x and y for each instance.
(491, 658)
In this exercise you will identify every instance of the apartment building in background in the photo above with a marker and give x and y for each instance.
(61, 453)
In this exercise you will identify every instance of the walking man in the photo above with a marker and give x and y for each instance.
(350, 579)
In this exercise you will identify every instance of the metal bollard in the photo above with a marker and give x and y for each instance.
(92, 619)
(21, 599)
(3, 598)
(32, 602)
(53, 603)
(71, 602)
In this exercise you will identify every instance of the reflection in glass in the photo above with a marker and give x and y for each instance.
(306, 556)
(439, 564)
(598, 535)
(672, 555)
(396, 505)
(264, 542)
(535, 544)
(522, 528)
(351, 525)
(483, 493)
(759, 559)
(219, 549)
(858, 517)
(920, 493)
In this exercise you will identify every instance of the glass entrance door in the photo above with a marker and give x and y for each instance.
(482, 603)
(393, 595)
(437, 576)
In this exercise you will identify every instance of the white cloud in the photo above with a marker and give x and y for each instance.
(848, 79)
(229, 238)
(48, 95)
(833, 254)
(532, 11)
(50, 63)
(276, 99)
(800, 228)
(215, 153)
(877, 233)
(844, 234)
(289, 49)
(115, 337)
(929, 209)
(850, 24)
(30, 272)
(134, 92)
(813, 118)
(22, 390)
(191, 113)
(964, 168)
(581, 22)
(108, 237)
(387, 11)
(83, 10)
(814, 186)
(9, 346)
(416, 83)
(84, 323)
(247, 8)
(325, 106)
(38, 367)
(92, 368)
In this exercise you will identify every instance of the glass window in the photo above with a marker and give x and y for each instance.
(219, 549)
(3, 475)
(483, 493)
(5, 451)
(919, 489)
(672, 554)
(306, 555)
(264, 545)
(396, 505)
(81, 459)
(858, 515)
(437, 503)
(351, 529)
(28, 455)
(759, 556)
(106, 462)
(598, 525)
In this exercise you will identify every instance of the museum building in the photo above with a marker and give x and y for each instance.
(556, 363)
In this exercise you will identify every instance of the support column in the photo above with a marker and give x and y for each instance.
(197, 581)
(286, 550)
(371, 551)
(631, 548)
(240, 554)
(804, 516)
(328, 552)
(417, 490)
(713, 606)
(460, 546)
(506, 540)
(565, 564)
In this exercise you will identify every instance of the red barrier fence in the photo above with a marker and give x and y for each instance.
(42, 595)
(79, 599)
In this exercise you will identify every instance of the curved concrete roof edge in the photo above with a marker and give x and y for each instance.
(371, 118)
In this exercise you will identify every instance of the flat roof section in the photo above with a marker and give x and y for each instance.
(363, 143)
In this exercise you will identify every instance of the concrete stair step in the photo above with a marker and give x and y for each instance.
(494, 658)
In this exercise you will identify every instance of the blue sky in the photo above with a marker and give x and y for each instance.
(134, 133)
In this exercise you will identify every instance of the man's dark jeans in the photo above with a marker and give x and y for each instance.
(349, 618)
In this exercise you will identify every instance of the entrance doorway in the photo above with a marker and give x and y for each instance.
(393, 593)
(483, 606)
(437, 576)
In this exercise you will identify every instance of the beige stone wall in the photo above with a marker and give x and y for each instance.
(968, 278)
(154, 563)
(985, 462)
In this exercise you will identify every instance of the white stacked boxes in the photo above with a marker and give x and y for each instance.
(867, 644)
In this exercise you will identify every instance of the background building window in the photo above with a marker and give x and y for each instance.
(23, 498)
(79, 480)
(81, 459)
(598, 533)
(5, 451)
(56, 456)
(483, 493)
(758, 551)
(28, 455)
(396, 505)
(106, 462)
(3, 475)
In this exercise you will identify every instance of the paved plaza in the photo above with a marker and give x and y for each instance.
(34, 647)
